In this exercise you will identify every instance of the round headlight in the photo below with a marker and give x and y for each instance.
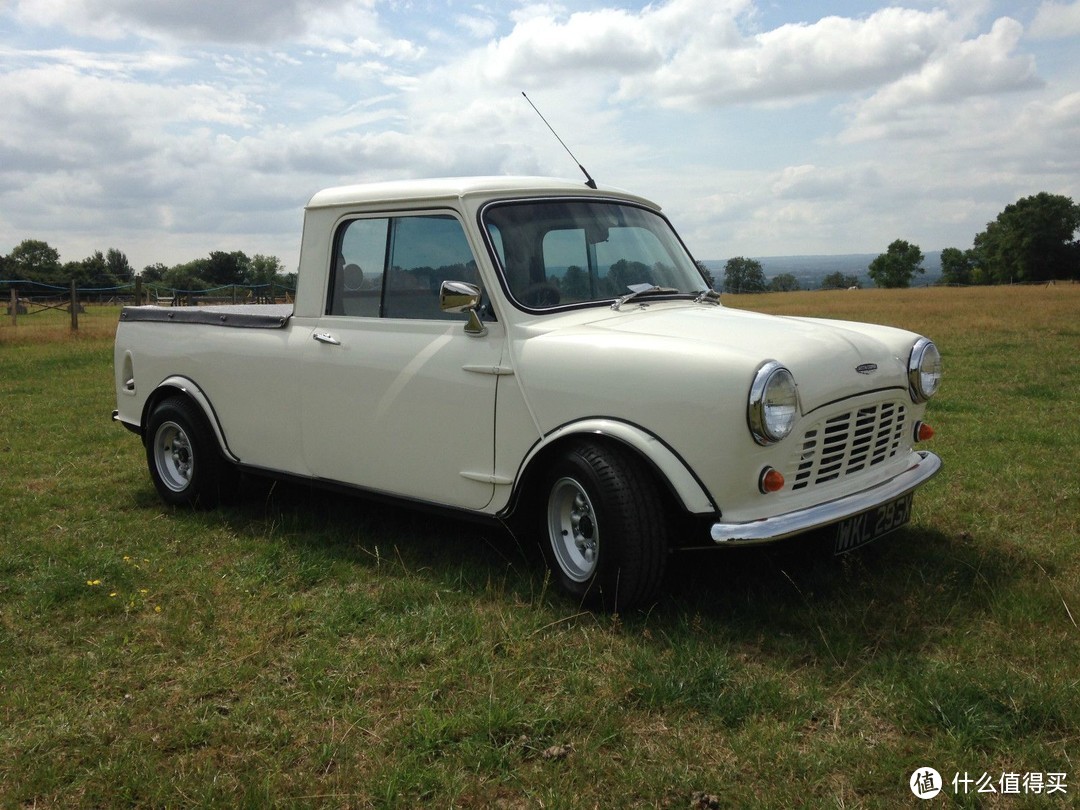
(774, 403)
(924, 370)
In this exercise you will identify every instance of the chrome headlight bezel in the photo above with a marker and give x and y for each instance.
(924, 370)
(773, 406)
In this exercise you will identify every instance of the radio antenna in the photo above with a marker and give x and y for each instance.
(588, 179)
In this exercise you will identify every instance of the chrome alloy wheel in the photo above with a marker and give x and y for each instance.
(572, 529)
(173, 456)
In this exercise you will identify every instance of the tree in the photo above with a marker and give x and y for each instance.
(575, 284)
(1033, 239)
(34, 260)
(897, 266)
(742, 275)
(90, 271)
(957, 266)
(785, 282)
(188, 277)
(838, 281)
(99, 270)
(154, 272)
(223, 269)
(118, 266)
(263, 269)
(625, 273)
(705, 271)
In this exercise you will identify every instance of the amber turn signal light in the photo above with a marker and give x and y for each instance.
(923, 432)
(770, 481)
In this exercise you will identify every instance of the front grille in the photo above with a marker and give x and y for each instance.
(849, 442)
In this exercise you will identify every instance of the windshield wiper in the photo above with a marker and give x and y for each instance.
(644, 289)
(709, 296)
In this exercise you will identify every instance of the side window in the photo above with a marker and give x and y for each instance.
(424, 252)
(393, 267)
(357, 278)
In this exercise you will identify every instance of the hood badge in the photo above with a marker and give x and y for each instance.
(866, 368)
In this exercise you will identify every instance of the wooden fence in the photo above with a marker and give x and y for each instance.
(72, 298)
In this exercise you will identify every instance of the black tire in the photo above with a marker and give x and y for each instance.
(604, 532)
(185, 461)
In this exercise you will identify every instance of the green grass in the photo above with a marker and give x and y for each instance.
(304, 649)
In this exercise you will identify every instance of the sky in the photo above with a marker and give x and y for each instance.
(169, 129)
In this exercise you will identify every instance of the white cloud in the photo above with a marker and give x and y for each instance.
(964, 70)
(192, 20)
(542, 49)
(692, 54)
(1041, 140)
(104, 63)
(478, 27)
(794, 61)
(1056, 21)
(57, 115)
(825, 135)
(809, 182)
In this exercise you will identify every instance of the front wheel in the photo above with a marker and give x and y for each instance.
(605, 534)
(185, 463)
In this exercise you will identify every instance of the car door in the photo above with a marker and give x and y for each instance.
(398, 397)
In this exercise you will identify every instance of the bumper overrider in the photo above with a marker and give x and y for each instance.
(821, 515)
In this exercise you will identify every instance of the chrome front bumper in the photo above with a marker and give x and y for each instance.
(815, 517)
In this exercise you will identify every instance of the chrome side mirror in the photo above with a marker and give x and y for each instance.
(460, 296)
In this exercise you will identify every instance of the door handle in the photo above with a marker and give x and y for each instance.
(326, 337)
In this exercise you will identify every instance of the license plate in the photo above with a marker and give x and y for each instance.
(858, 530)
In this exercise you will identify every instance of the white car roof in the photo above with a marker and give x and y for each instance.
(457, 187)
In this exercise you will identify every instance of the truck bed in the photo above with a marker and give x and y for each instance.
(242, 316)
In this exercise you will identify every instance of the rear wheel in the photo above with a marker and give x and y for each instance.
(185, 462)
(605, 534)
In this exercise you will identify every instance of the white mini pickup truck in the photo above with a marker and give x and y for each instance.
(541, 352)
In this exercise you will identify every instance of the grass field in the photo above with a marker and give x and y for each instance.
(302, 649)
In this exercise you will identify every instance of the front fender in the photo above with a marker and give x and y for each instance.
(669, 465)
(168, 387)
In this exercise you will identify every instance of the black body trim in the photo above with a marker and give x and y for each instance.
(216, 316)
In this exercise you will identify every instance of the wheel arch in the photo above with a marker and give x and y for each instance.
(675, 477)
(183, 387)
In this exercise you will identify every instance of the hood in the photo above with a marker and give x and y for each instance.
(830, 360)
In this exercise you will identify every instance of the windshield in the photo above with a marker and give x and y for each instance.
(555, 253)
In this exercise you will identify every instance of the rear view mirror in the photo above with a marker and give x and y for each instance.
(460, 296)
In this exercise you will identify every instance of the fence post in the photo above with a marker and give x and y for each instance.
(138, 291)
(14, 307)
(74, 307)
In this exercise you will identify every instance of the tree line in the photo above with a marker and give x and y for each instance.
(1033, 240)
(36, 261)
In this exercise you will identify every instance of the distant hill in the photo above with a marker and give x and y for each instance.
(810, 270)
